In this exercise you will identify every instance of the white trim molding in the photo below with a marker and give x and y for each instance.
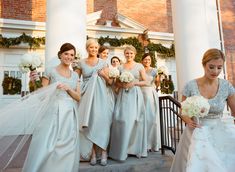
(22, 24)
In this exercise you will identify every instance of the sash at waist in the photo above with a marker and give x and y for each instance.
(213, 116)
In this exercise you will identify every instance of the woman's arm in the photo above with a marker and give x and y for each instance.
(79, 72)
(187, 119)
(45, 82)
(104, 74)
(142, 81)
(157, 81)
(231, 104)
(75, 94)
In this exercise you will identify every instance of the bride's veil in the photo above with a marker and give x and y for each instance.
(19, 119)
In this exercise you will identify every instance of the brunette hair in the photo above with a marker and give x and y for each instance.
(102, 48)
(146, 55)
(66, 47)
(115, 57)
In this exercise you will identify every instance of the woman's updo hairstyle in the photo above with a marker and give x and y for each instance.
(212, 54)
(66, 47)
(131, 48)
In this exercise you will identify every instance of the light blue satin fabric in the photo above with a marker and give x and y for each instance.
(94, 110)
(129, 132)
(55, 142)
(152, 111)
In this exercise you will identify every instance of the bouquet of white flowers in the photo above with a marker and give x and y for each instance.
(30, 62)
(126, 77)
(114, 72)
(195, 106)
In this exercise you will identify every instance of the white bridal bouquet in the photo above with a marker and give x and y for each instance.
(126, 77)
(195, 106)
(114, 72)
(30, 62)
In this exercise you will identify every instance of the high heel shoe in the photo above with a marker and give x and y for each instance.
(104, 160)
(93, 161)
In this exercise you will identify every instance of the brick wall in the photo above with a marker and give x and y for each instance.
(34, 10)
(228, 23)
(154, 14)
(90, 6)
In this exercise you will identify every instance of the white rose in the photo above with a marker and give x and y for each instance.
(26, 60)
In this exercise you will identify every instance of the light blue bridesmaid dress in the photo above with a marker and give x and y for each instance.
(152, 111)
(129, 132)
(55, 142)
(94, 109)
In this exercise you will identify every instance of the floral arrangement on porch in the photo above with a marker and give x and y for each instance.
(11, 85)
(167, 85)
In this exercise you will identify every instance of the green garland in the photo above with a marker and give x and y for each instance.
(11, 86)
(33, 42)
(152, 47)
(36, 42)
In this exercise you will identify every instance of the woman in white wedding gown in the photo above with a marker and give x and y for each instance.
(209, 145)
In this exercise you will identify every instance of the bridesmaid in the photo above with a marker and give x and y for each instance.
(94, 109)
(103, 52)
(115, 61)
(129, 135)
(54, 145)
(151, 104)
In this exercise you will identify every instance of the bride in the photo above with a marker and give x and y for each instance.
(208, 146)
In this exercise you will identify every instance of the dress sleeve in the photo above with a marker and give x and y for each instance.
(154, 72)
(140, 67)
(187, 90)
(231, 89)
(47, 73)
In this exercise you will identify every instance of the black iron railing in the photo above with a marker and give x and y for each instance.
(171, 123)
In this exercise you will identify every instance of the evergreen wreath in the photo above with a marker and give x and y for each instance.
(167, 86)
(11, 86)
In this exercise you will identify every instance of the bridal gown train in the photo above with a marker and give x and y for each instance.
(210, 148)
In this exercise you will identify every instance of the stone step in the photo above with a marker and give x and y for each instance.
(154, 162)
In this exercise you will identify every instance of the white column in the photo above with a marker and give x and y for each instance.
(195, 26)
(66, 22)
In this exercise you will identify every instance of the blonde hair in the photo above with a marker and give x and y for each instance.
(91, 41)
(131, 48)
(212, 54)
